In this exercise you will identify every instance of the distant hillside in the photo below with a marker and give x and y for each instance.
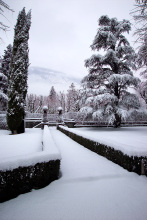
(40, 81)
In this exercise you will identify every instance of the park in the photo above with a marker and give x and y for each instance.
(80, 153)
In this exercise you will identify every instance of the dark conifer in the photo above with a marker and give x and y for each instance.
(18, 72)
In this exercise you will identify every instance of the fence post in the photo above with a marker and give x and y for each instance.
(45, 119)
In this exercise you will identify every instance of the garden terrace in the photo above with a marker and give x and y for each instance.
(31, 167)
(126, 146)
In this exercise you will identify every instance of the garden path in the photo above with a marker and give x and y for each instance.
(90, 187)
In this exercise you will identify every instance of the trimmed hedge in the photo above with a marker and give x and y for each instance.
(132, 164)
(24, 179)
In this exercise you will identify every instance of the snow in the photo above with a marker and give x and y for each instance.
(130, 140)
(48, 143)
(26, 149)
(3, 95)
(86, 110)
(90, 187)
(16, 145)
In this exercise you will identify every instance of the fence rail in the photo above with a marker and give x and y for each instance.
(104, 123)
(32, 119)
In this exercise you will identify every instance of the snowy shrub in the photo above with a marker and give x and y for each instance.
(138, 116)
(24, 179)
(86, 110)
(98, 114)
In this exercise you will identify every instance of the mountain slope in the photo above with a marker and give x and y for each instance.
(40, 81)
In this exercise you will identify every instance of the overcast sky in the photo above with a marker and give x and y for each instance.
(63, 30)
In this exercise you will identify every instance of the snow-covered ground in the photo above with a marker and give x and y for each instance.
(130, 140)
(18, 145)
(26, 149)
(90, 188)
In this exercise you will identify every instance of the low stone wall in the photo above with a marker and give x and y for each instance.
(24, 179)
(132, 164)
(33, 123)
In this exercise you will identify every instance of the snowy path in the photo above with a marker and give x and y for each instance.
(91, 188)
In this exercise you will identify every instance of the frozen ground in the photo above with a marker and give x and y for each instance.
(130, 140)
(26, 149)
(18, 145)
(90, 188)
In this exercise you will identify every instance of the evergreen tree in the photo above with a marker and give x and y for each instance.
(6, 60)
(61, 99)
(18, 72)
(52, 101)
(3, 89)
(142, 90)
(72, 97)
(110, 74)
(4, 73)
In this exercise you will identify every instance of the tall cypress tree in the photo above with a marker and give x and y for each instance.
(18, 72)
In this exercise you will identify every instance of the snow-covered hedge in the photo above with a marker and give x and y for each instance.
(130, 163)
(32, 172)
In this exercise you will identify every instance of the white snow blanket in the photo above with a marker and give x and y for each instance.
(90, 188)
(26, 149)
(129, 140)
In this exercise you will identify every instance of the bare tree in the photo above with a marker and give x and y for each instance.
(3, 6)
(140, 16)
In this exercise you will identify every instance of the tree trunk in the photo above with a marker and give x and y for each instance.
(117, 121)
(21, 128)
(14, 132)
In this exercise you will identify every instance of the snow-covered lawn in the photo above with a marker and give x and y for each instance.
(18, 145)
(130, 140)
(90, 188)
(26, 149)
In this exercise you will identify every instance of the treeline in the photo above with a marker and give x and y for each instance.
(106, 92)
(68, 101)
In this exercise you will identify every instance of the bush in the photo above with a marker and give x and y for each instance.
(24, 179)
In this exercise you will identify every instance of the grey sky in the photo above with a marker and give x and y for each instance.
(63, 30)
